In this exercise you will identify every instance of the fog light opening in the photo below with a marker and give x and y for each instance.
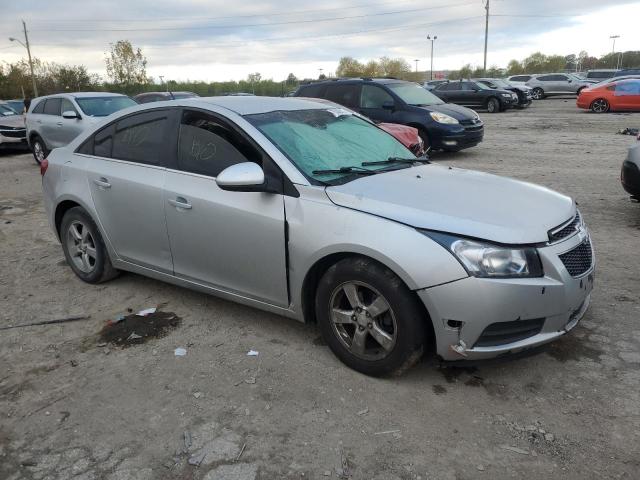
(454, 324)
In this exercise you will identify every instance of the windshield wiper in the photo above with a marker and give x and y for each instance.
(398, 160)
(356, 170)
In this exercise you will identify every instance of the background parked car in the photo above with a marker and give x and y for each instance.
(600, 74)
(431, 84)
(148, 97)
(476, 94)
(408, 136)
(442, 126)
(53, 121)
(623, 95)
(12, 130)
(628, 71)
(556, 84)
(630, 175)
(519, 79)
(523, 92)
(16, 104)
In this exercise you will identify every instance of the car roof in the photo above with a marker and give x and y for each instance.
(248, 105)
(81, 95)
(381, 80)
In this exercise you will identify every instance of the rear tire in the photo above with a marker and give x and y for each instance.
(493, 105)
(369, 318)
(39, 149)
(537, 93)
(600, 105)
(84, 248)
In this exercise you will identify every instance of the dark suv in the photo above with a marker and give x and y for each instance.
(476, 94)
(442, 126)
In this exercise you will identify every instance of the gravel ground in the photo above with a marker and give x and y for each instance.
(73, 407)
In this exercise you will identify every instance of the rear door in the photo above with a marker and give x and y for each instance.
(50, 123)
(228, 240)
(565, 84)
(126, 175)
(469, 95)
(627, 95)
(449, 92)
(344, 94)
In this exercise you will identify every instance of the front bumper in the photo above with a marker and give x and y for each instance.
(13, 139)
(462, 311)
(464, 136)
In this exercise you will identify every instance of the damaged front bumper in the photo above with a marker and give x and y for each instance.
(481, 318)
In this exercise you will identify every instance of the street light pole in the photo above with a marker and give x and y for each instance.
(486, 36)
(416, 60)
(613, 37)
(26, 39)
(432, 40)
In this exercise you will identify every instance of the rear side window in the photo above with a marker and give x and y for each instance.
(315, 91)
(449, 86)
(208, 145)
(521, 78)
(628, 88)
(346, 95)
(52, 106)
(141, 138)
(39, 108)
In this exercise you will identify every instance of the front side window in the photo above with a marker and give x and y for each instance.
(326, 139)
(67, 106)
(52, 106)
(373, 96)
(208, 146)
(414, 94)
(628, 88)
(104, 106)
(450, 87)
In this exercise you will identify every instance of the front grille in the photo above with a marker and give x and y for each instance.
(564, 231)
(502, 333)
(579, 260)
(14, 133)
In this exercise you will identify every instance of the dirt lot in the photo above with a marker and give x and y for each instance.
(74, 406)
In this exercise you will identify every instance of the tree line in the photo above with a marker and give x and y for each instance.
(126, 73)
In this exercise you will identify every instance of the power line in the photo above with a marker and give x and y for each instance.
(290, 22)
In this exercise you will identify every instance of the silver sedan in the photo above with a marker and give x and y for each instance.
(309, 210)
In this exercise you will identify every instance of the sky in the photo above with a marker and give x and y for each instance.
(214, 40)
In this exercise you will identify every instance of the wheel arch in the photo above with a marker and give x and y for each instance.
(318, 269)
(493, 97)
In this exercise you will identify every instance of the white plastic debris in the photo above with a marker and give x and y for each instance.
(180, 352)
(133, 336)
(146, 311)
(252, 353)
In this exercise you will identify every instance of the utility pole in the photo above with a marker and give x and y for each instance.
(26, 45)
(486, 36)
(432, 40)
(416, 60)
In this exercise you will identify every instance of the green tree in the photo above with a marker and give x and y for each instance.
(349, 67)
(514, 68)
(126, 65)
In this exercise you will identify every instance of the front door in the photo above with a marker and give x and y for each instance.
(69, 128)
(51, 122)
(377, 104)
(232, 241)
(126, 176)
(626, 95)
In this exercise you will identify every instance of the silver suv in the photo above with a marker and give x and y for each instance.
(556, 84)
(309, 210)
(53, 121)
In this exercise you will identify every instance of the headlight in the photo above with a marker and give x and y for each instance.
(443, 118)
(508, 95)
(486, 260)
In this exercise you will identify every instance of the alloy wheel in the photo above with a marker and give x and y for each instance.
(363, 320)
(537, 93)
(600, 105)
(81, 247)
(38, 151)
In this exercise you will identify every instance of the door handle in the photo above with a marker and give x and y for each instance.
(102, 182)
(59, 124)
(180, 202)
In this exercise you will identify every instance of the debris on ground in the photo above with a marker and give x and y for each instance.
(73, 318)
(364, 411)
(252, 353)
(196, 459)
(515, 449)
(134, 329)
(241, 452)
(146, 311)
(180, 352)
(629, 131)
(197, 394)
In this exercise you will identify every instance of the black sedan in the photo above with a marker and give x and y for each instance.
(523, 92)
(630, 175)
(475, 94)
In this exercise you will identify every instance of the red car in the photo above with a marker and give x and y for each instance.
(406, 135)
(623, 95)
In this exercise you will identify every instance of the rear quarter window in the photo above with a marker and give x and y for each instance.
(39, 108)
(315, 91)
(52, 106)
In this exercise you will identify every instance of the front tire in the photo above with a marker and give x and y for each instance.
(493, 105)
(369, 318)
(84, 248)
(39, 149)
(537, 93)
(600, 105)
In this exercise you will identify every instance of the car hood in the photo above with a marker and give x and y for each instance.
(462, 202)
(15, 121)
(456, 111)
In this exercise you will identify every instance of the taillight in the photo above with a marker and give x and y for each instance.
(43, 166)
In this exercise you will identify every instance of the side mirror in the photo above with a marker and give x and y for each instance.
(570, 80)
(388, 105)
(242, 177)
(69, 114)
